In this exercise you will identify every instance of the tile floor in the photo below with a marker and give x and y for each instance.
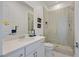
(62, 51)
(59, 54)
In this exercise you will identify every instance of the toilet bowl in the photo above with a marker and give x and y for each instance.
(48, 49)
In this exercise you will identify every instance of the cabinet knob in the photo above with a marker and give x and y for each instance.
(35, 54)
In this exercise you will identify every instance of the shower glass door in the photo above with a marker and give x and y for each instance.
(62, 29)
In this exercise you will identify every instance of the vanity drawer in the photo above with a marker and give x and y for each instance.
(16, 53)
(30, 48)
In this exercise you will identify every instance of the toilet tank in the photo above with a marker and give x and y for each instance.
(49, 49)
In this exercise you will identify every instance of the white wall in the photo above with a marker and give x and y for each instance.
(38, 13)
(0, 28)
(45, 26)
(16, 14)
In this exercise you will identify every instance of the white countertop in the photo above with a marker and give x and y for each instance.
(11, 45)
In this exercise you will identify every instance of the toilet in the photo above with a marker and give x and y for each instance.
(48, 49)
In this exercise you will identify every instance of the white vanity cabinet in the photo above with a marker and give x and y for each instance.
(31, 48)
(35, 50)
(16, 53)
(40, 52)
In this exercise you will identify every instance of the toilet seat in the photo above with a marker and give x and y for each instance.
(49, 44)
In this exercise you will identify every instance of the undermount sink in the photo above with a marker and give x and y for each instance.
(19, 40)
(15, 42)
(25, 39)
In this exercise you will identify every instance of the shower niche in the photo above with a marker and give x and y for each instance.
(39, 23)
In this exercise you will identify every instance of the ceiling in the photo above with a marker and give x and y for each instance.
(48, 4)
(41, 3)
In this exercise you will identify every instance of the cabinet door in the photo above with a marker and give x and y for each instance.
(30, 55)
(40, 51)
(17, 53)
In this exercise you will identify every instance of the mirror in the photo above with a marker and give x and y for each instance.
(30, 23)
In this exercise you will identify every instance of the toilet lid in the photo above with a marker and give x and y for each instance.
(49, 45)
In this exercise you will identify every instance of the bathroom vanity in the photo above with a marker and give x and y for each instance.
(24, 47)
